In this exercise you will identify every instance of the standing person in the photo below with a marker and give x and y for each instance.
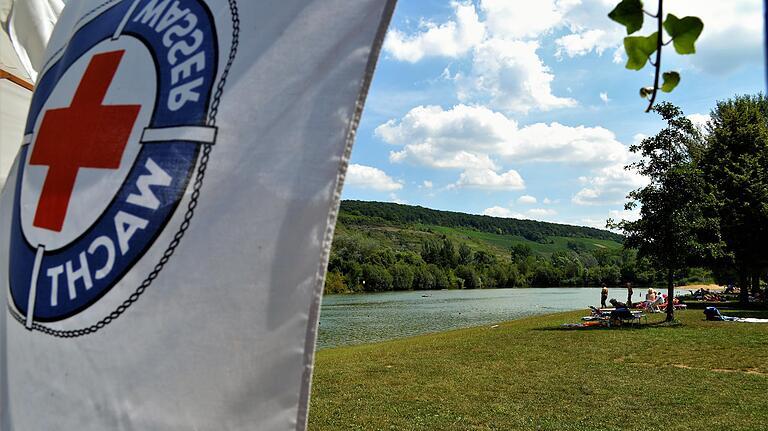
(603, 296)
(629, 294)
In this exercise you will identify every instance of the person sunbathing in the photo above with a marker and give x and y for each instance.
(617, 304)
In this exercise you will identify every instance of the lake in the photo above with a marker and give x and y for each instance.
(370, 317)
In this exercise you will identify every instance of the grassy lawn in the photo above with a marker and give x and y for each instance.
(531, 375)
(504, 242)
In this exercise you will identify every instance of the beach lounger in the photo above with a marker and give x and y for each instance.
(653, 306)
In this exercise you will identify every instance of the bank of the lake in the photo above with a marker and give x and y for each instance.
(371, 317)
(530, 375)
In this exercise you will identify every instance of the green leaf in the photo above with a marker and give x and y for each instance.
(671, 79)
(684, 32)
(645, 92)
(628, 13)
(638, 49)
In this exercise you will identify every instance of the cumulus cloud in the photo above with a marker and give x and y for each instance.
(578, 44)
(453, 38)
(732, 35)
(531, 214)
(472, 137)
(509, 75)
(427, 184)
(508, 19)
(616, 215)
(631, 215)
(488, 179)
(604, 97)
(369, 177)
(526, 199)
(609, 186)
(700, 120)
(501, 212)
(506, 71)
(542, 212)
(590, 30)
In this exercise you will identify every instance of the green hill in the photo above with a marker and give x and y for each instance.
(400, 215)
(386, 246)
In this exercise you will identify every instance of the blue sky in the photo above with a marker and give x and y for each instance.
(524, 109)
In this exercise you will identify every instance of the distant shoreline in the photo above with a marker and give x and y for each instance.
(695, 287)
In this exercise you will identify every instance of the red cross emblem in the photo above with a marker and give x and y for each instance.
(87, 134)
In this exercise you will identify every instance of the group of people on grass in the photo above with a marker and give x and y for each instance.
(654, 301)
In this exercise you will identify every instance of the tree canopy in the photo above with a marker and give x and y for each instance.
(735, 166)
(675, 229)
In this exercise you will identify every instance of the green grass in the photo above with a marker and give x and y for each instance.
(505, 242)
(531, 375)
(410, 238)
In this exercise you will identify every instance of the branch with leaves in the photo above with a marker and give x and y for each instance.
(682, 32)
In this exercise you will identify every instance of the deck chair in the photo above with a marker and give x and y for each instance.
(653, 306)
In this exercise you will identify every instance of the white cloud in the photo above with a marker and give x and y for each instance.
(546, 201)
(427, 184)
(578, 44)
(509, 75)
(473, 137)
(488, 179)
(396, 199)
(526, 199)
(506, 71)
(531, 214)
(511, 20)
(609, 186)
(598, 223)
(542, 212)
(501, 212)
(450, 39)
(370, 178)
(638, 138)
(732, 36)
(618, 215)
(591, 30)
(699, 120)
(604, 97)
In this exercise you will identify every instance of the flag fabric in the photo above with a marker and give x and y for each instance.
(29, 26)
(166, 225)
(25, 27)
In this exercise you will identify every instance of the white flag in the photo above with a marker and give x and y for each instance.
(166, 226)
(25, 27)
(29, 27)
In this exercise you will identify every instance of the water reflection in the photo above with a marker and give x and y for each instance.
(370, 317)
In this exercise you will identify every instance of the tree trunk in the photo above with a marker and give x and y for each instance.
(743, 286)
(670, 297)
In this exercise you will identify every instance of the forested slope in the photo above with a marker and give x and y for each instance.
(385, 246)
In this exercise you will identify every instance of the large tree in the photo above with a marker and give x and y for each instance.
(674, 229)
(736, 166)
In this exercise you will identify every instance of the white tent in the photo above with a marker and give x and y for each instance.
(25, 26)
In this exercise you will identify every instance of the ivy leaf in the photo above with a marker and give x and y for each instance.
(628, 13)
(684, 32)
(645, 92)
(638, 49)
(671, 79)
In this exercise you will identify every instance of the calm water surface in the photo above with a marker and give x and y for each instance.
(371, 317)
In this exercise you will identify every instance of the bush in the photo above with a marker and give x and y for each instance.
(334, 283)
(423, 279)
(402, 277)
(376, 278)
(469, 276)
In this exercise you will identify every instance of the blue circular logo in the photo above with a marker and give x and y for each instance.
(120, 118)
